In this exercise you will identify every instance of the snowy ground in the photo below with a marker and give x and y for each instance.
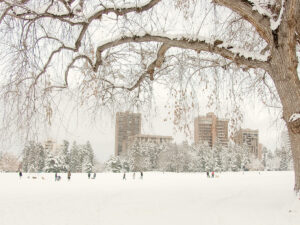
(167, 199)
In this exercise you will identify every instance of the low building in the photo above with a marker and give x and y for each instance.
(150, 138)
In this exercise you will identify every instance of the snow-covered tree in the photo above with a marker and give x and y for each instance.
(33, 157)
(56, 162)
(87, 157)
(75, 158)
(114, 164)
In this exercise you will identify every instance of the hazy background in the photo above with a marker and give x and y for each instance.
(77, 126)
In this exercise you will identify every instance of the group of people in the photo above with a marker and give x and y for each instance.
(93, 177)
(58, 178)
(212, 174)
(133, 175)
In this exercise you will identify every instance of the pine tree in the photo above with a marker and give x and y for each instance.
(33, 157)
(66, 153)
(55, 162)
(87, 157)
(75, 158)
(114, 164)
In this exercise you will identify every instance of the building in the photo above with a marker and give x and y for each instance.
(127, 124)
(260, 151)
(250, 138)
(211, 130)
(52, 146)
(49, 145)
(150, 138)
(285, 139)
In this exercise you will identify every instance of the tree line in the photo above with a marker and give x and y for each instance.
(77, 158)
(197, 158)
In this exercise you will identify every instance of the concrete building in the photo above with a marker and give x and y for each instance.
(150, 138)
(52, 146)
(127, 124)
(285, 140)
(49, 145)
(260, 151)
(211, 130)
(250, 138)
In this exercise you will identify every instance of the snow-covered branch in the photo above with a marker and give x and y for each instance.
(237, 55)
(258, 19)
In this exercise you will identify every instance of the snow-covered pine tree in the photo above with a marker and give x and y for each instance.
(135, 156)
(75, 158)
(33, 157)
(87, 156)
(114, 164)
(56, 162)
(66, 153)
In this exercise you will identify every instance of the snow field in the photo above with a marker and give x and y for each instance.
(185, 198)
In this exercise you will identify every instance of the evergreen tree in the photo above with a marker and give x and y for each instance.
(75, 158)
(56, 162)
(87, 157)
(33, 157)
(66, 153)
(114, 164)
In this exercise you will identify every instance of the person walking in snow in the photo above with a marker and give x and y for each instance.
(207, 174)
(55, 177)
(69, 175)
(212, 174)
(124, 176)
(141, 175)
(94, 176)
(89, 175)
(20, 174)
(133, 175)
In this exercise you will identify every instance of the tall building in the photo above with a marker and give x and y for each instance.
(211, 130)
(250, 138)
(127, 124)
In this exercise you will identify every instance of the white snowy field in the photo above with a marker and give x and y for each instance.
(168, 199)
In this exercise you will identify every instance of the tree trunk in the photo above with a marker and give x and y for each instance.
(284, 64)
(288, 87)
(295, 143)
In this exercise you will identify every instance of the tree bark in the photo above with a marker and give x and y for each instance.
(284, 64)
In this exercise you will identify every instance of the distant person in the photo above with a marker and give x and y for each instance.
(142, 175)
(133, 175)
(69, 175)
(89, 175)
(20, 174)
(207, 174)
(94, 176)
(124, 176)
(212, 174)
(57, 177)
